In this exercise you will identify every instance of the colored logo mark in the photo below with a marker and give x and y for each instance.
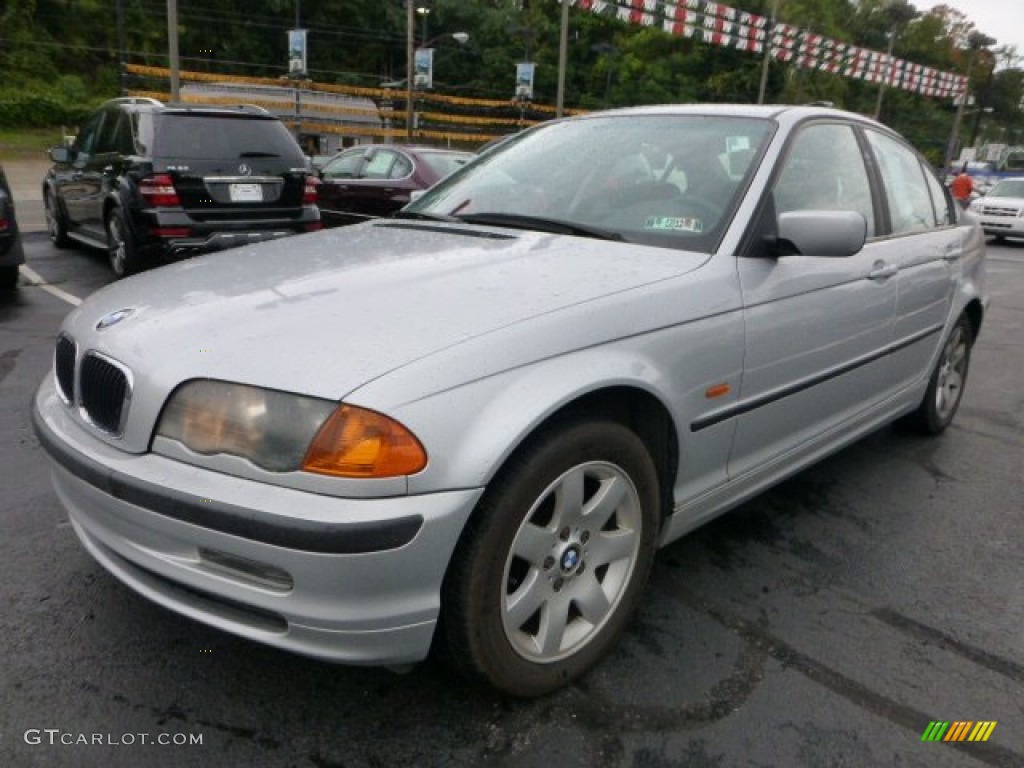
(958, 730)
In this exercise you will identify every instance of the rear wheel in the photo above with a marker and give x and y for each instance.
(56, 225)
(121, 251)
(946, 385)
(554, 560)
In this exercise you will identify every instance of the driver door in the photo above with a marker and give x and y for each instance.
(817, 327)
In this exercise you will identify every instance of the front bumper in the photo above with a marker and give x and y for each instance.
(341, 579)
(1006, 226)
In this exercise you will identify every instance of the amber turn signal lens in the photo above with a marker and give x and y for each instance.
(354, 442)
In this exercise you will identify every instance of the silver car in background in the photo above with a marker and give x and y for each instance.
(495, 407)
(1001, 210)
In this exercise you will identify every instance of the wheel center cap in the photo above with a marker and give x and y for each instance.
(570, 559)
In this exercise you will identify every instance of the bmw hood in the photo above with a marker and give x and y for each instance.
(325, 313)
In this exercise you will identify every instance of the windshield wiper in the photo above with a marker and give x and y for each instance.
(257, 154)
(555, 226)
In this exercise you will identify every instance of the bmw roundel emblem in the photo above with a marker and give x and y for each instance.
(113, 318)
(570, 559)
(244, 169)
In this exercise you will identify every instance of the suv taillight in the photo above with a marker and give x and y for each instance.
(309, 191)
(159, 191)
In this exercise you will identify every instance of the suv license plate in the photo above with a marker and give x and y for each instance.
(246, 193)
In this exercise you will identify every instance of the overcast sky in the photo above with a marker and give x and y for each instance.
(1001, 19)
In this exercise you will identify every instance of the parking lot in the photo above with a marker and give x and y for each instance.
(827, 622)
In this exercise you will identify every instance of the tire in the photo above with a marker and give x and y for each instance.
(946, 384)
(121, 250)
(8, 278)
(537, 593)
(56, 226)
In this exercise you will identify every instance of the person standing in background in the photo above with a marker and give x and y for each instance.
(962, 187)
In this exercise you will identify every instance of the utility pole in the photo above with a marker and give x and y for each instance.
(410, 21)
(120, 45)
(767, 52)
(172, 45)
(899, 14)
(563, 55)
(975, 42)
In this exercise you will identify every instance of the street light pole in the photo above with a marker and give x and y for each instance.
(409, 53)
(410, 75)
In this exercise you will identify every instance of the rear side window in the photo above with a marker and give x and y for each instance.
(216, 137)
(940, 200)
(910, 204)
(443, 163)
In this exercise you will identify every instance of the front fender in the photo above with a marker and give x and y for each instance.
(470, 431)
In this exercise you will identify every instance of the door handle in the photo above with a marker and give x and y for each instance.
(882, 271)
(952, 253)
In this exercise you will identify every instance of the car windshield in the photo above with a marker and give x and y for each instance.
(666, 180)
(444, 163)
(1008, 188)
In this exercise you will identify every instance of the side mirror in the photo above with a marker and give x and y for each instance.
(821, 233)
(61, 154)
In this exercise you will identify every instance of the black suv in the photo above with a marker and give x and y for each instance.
(150, 182)
(11, 252)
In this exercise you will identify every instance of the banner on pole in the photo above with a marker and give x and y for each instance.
(524, 80)
(423, 76)
(296, 51)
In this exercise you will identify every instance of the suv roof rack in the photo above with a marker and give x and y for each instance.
(252, 109)
(136, 100)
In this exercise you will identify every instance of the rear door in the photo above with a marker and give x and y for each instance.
(925, 246)
(386, 184)
(817, 327)
(337, 191)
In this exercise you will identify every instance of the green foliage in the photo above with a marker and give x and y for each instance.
(38, 110)
(64, 55)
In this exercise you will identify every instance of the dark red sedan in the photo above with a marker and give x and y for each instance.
(374, 180)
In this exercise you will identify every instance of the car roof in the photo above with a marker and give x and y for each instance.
(153, 106)
(778, 112)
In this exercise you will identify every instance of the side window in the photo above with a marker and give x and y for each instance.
(910, 203)
(401, 168)
(85, 143)
(379, 166)
(346, 166)
(940, 200)
(107, 141)
(825, 170)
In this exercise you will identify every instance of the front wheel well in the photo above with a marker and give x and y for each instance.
(641, 412)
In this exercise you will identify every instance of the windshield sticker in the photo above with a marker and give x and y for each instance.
(674, 224)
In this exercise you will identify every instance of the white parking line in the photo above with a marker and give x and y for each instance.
(36, 280)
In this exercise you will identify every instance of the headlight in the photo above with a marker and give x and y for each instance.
(975, 205)
(283, 432)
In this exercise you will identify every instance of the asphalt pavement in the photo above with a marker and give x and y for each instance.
(26, 179)
(827, 622)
